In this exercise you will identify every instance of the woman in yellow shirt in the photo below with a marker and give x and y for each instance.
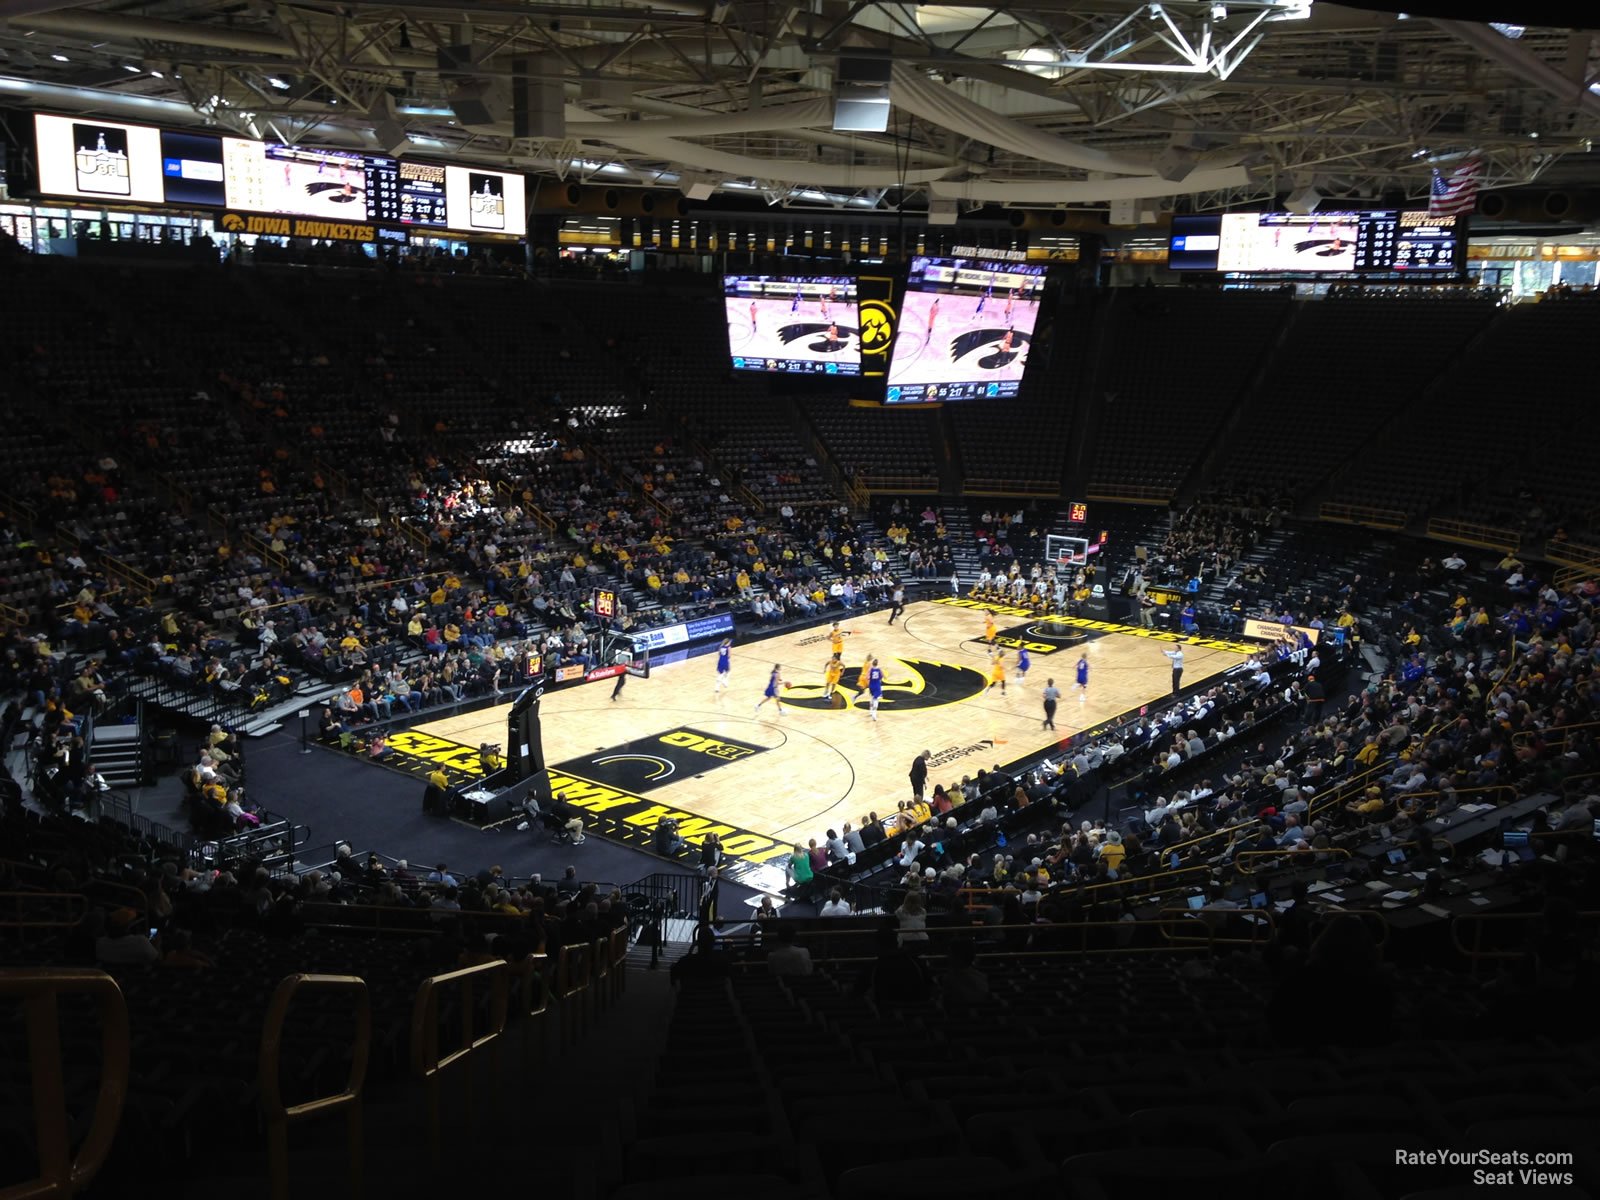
(831, 674)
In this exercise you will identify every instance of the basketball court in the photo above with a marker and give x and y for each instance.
(671, 745)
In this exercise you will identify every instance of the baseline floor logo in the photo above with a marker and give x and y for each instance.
(660, 760)
(1040, 637)
(908, 683)
(1091, 625)
(419, 753)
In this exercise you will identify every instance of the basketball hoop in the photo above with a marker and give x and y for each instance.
(1066, 552)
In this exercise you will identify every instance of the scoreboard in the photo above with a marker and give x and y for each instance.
(1406, 241)
(1372, 243)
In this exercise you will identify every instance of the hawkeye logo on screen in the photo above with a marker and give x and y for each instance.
(908, 683)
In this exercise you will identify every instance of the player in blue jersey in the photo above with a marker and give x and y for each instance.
(1083, 677)
(724, 664)
(1024, 661)
(775, 684)
(874, 688)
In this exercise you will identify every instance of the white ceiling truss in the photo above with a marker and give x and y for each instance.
(1055, 103)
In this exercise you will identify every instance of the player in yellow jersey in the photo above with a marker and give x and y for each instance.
(988, 626)
(836, 637)
(997, 670)
(831, 674)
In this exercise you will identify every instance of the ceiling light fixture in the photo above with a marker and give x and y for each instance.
(129, 67)
(281, 84)
(60, 58)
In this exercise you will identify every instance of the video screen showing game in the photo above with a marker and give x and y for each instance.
(793, 325)
(965, 329)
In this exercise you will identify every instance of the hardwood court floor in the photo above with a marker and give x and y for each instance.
(792, 775)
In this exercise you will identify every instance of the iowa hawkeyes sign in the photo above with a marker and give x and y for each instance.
(875, 300)
(908, 683)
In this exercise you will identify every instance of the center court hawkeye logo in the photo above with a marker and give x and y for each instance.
(908, 683)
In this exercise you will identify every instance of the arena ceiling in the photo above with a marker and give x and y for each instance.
(1054, 103)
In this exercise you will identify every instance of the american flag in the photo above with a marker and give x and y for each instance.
(1456, 193)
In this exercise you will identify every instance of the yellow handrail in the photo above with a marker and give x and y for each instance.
(1186, 921)
(268, 555)
(13, 616)
(1309, 854)
(572, 980)
(535, 980)
(1479, 922)
(279, 1116)
(76, 903)
(1362, 514)
(1130, 493)
(426, 1061)
(39, 989)
(131, 577)
(1468, 533)
(1521, 735)
(1001, 487)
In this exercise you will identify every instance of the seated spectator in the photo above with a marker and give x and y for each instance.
(786, 958)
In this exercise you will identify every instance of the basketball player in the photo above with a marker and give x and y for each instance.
(1083, 678)
(724, 665)
(1011, 303)
(775, 684)
(997, 671)
(833, 340)
(874, 688)
(831, 674)
(1023, 663)
(617, 688)
(898, 598)
(752, 318)
(983, 299)
(836, 638)
(933, 316)
(988, 626)
(794, 305)
(1051, 694)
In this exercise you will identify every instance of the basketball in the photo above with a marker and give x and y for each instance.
(787, 686)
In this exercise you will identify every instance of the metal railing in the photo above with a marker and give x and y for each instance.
(1361, 514)
(920, 485)
(277, 1115)
(1291, 856)
(1468, 533)
(1130, 493)
(428, 1064)
(1022, 489)
(1469, 930)
(39, 990)
(42, 910)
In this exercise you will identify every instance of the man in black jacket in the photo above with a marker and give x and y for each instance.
(919, 773)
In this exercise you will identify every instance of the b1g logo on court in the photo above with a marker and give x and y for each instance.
(908, 683)
(724, 748)
(647, 763)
